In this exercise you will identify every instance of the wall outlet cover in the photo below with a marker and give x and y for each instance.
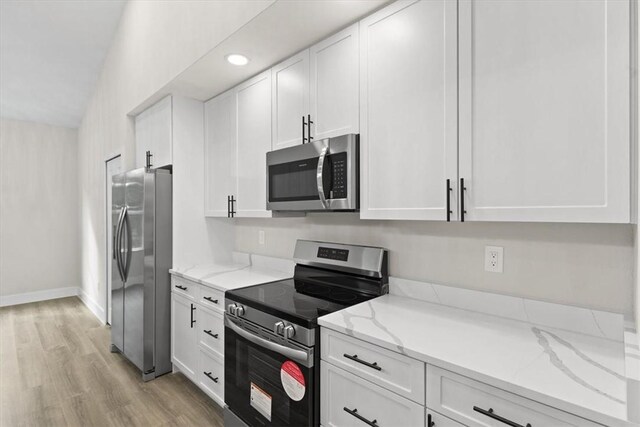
(493, 258)
(261, 237)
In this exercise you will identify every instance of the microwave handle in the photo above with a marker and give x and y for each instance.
(319, 175)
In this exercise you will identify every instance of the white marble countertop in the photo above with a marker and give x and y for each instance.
(243, 270)
(579, 373)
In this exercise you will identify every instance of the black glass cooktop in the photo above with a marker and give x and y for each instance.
(309, 295)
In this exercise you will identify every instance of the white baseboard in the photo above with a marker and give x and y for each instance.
(92, 305)
(36, 296)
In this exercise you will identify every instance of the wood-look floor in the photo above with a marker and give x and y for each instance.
(56, 370)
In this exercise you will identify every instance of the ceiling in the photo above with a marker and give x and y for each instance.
(279, 31)
(51, 55)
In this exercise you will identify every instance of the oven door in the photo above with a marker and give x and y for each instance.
(318, 176)
(268, 383)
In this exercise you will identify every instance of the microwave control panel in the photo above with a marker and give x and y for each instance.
(339, 176)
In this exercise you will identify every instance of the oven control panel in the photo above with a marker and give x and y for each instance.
(333, 253)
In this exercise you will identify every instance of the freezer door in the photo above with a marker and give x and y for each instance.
(139, 289)
(117, 284)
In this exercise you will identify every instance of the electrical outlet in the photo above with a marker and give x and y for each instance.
(493, 258)
(261, 237)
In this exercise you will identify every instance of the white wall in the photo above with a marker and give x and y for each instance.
(39, 246)
(155, 41)
(587, 265)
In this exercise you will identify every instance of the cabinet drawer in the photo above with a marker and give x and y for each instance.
(438, 420)
(348, 400)
(456, 397)
(211, 298)
(393, 371)
(184, 287)
(211, 330)
(211, 376)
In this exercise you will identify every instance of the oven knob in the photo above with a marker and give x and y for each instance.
(231, 309)
(239, 310)
(289, 332)
(278, 328)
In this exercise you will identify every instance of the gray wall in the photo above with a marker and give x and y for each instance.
(587, 265)
(39, 245)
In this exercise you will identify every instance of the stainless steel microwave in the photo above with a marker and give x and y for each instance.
(321, 175)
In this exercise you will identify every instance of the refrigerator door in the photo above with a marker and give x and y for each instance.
(117, 275)
(138, 221)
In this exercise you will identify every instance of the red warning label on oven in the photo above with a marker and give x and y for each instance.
(292, 380)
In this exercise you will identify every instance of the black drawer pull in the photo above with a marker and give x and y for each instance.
(208, 374)
(209, 333)
(215, 301)
(193, 319)
(355, 413)
(373, 365)
(489, 413)
(184, 288)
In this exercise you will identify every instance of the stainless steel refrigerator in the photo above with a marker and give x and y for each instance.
(140, 284)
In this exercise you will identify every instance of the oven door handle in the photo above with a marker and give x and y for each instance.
(297, 355)
(320, 175)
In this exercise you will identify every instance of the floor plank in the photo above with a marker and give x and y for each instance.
(56, 369)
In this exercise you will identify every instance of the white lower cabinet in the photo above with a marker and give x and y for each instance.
(211, 330)
(435, 419)
(477, 404)
(211, 375)
(183, 335)
(371, 386)
(348, 400)
(197, 336)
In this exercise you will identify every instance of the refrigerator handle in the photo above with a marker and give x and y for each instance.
(117, 244)
(127, 234)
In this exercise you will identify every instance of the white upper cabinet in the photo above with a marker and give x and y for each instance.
(544, 110)
(220, 153)
(154, 129)
(334, 85)
(408, 111)
(253, 103)
(290, 92)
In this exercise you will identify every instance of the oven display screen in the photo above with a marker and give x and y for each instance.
(334, 254)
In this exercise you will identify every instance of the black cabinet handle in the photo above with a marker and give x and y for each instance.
(184, 288)
(448, 190)
(489, 413)
(430, 422)
(228, 206)
(309, 127)
(148, 161)
(462, 190)
(355, 358)
(304, 125)
(208, 374)
(215, 301)
(193, 309)
(355, 413)
(233, 207)
(210, 334)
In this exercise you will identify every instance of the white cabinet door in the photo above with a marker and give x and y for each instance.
(253, 100)
(347, 400)
(334, 88)
(154, 134)
(220, 153)
(290, 92)
(544, 110)
(408, 111)
(184, 344)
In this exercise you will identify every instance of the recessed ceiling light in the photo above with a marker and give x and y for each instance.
(237, 59)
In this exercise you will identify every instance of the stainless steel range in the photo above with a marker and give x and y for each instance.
(272, 338)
